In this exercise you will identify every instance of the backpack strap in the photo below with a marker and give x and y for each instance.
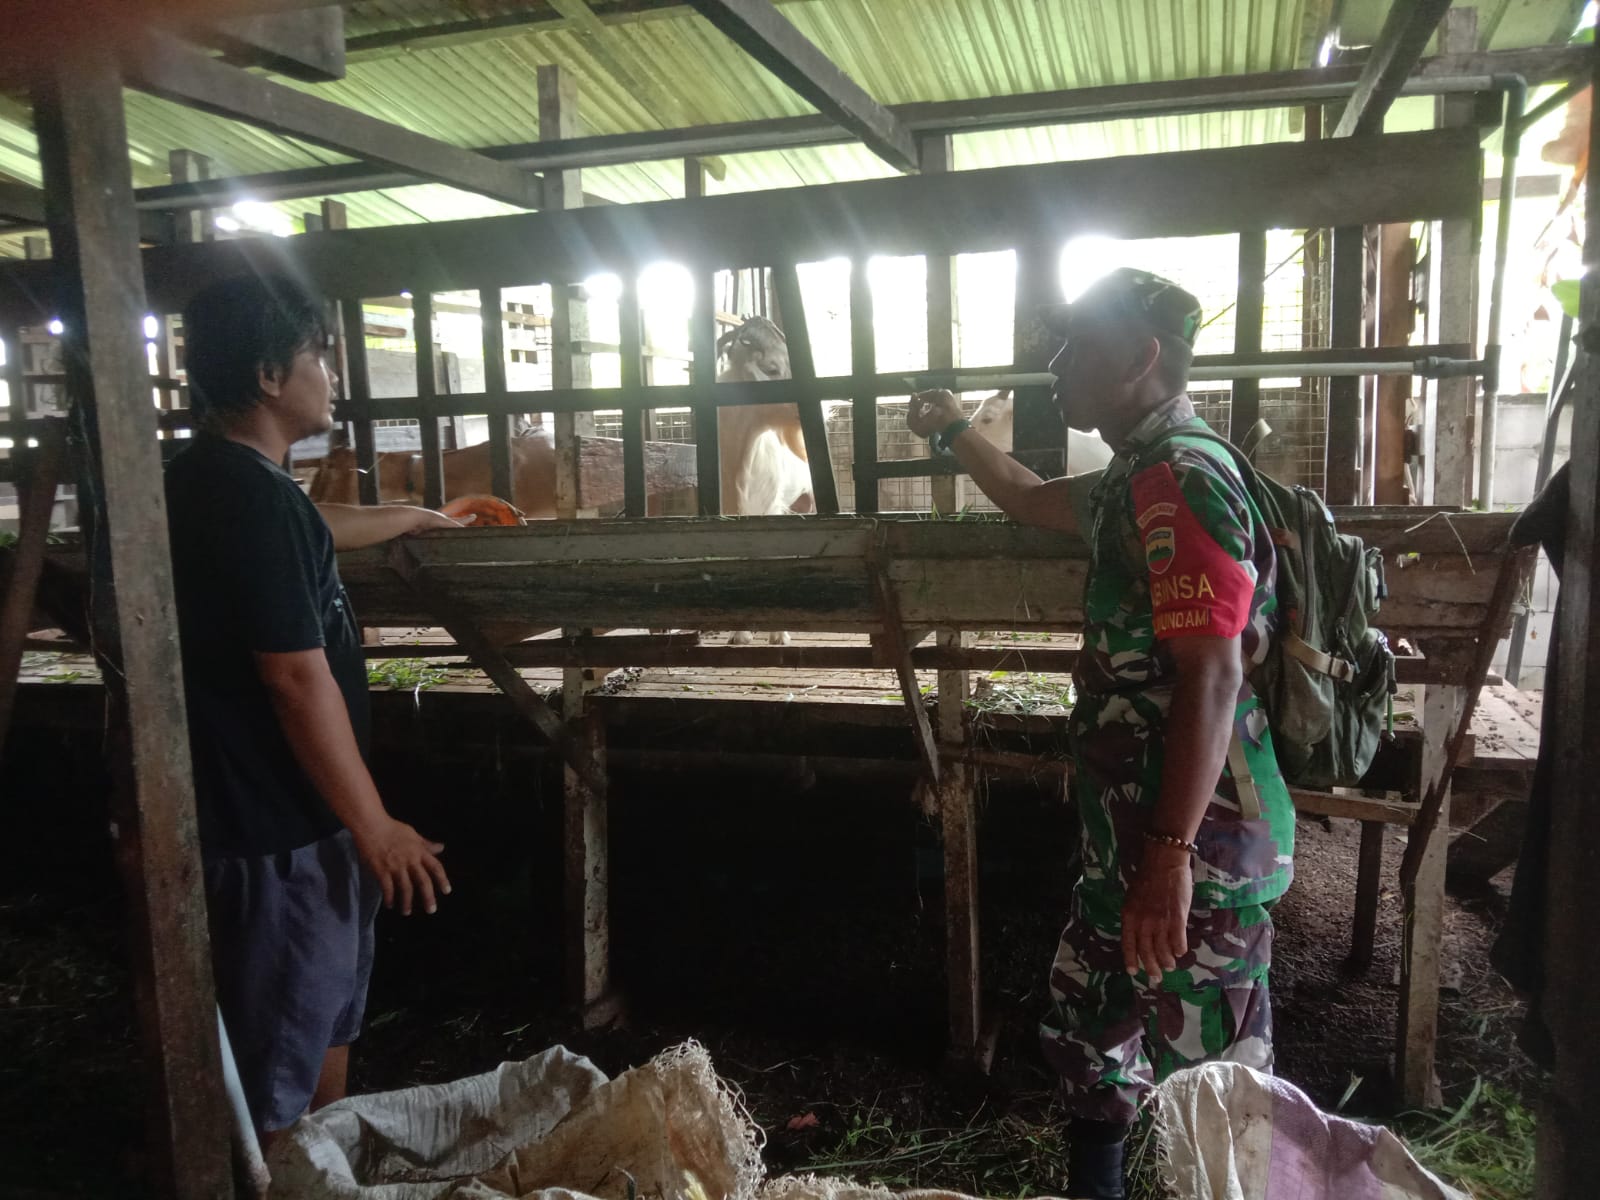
(1304, 652)
(1244, 783)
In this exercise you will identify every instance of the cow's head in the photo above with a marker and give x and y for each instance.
(755, 350)
(993, 419)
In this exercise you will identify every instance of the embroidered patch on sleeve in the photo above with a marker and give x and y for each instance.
(1196, 587)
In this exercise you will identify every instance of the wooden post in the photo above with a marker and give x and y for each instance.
(1342, 479)
(957, 788)
(1396, 258)
(94, 231)
(1245, 410)
(1451, 444)
(558, 118)
(194, 224)
(587, 851)
(427, 390)
(1568, 1157)
(864, 404)
(1417, 1031)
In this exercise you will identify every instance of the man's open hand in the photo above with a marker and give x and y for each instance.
(929, 412)
(1155, 915)
(406, 865)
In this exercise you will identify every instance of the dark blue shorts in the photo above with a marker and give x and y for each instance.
(291, 947)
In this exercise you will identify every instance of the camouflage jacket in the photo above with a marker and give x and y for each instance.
(1178, 548)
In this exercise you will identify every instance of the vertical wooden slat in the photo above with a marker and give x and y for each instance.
(427, 390)
(1249, 307)
(1035, 422)
(631, 346)
(16, 374)
(703, 374)
(1369, 878)
(335, 215)
(94, 231)
(192, 225)
(494, 387)
(1342, 478)
(358, 386)
(1396, 258)
(694, 179)
(36, 472)
(813, 427)
(864, 402)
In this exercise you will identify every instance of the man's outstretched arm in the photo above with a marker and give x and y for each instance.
(1021, 494)
(356, 526)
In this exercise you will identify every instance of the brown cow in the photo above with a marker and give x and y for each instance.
(466, 473)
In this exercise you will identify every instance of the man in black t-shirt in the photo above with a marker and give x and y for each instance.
(297, 845)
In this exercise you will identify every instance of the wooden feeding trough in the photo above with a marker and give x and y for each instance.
(1450, 578)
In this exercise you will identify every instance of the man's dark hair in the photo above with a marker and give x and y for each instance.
(235, 328)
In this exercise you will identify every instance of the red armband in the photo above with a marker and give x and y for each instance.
(1196, 587)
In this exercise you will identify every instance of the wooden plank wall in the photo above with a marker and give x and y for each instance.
(1249, 189)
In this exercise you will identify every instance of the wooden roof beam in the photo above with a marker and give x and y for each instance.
(769, 37)
(1273, 89)
(1394, 56)
(307, 45)
(165, 67)
(22, 207)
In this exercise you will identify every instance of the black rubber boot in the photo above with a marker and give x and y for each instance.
(1094, 1160)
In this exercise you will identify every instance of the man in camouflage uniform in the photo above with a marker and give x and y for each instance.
(1187, 826)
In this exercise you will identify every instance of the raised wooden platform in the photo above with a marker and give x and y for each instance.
(867, 591)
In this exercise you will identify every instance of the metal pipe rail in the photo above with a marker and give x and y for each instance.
(1431, 367)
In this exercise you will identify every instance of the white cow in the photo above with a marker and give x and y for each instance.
(994, 420)
(761, 447)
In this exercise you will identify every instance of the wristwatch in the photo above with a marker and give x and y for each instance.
(939, 442)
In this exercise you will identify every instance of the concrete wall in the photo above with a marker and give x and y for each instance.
(1520, 431)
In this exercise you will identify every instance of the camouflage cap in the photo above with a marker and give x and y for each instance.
(1159, 303)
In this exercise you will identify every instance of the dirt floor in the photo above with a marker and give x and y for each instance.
(795, 930)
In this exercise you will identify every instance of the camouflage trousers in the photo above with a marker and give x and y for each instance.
(1111, 1036)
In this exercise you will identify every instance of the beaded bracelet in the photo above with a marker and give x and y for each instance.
(1168, 839)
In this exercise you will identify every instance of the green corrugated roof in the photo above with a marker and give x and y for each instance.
(668, 69)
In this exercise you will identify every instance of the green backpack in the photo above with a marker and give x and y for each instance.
(1329, 673)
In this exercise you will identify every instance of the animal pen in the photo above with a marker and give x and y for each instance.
(893, 591)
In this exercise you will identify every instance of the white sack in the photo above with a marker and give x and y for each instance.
(1227, 1132)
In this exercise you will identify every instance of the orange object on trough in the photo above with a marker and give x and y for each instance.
(487, 510)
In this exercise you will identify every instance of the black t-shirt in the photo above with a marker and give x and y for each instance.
(254, 570)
